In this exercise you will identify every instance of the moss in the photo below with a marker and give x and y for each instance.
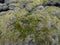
(41, 23)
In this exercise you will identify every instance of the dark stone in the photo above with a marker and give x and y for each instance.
(2, 1)
(4, 8)
(55, 4)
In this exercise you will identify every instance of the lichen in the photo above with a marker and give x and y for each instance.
(30, 20)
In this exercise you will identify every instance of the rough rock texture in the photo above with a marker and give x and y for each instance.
(29, 22)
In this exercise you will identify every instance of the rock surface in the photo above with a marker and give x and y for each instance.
(29, 22)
